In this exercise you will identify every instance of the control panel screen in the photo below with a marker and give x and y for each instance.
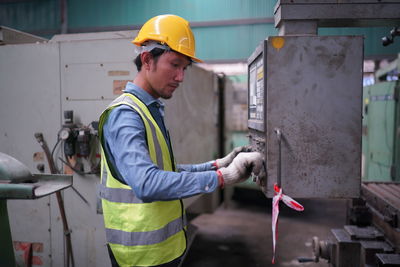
(256, 94)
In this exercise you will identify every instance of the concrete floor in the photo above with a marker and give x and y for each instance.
(240, 235)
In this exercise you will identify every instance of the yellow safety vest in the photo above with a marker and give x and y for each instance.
(141, 234)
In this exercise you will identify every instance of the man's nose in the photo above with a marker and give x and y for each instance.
(179, 75)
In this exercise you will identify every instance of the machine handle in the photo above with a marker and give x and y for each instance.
(279, 175)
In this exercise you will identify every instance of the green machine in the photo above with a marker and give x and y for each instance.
(16, 182)
(381, 126)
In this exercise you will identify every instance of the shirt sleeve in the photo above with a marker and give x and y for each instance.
(206, 166)
(126, 147)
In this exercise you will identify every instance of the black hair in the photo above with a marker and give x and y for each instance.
(156, 53)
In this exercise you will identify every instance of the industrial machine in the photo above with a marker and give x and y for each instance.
(306, 115)
(372, 236)
(17, 182)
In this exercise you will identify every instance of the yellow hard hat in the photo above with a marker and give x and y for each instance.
(171, 30)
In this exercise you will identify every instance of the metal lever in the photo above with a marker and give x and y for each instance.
(279, 175)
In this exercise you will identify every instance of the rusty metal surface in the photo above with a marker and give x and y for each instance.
(346, 252)
(383, 200)
(363, 233)
(357, 246)
(387, 192)
(388, 259)
(313, 96)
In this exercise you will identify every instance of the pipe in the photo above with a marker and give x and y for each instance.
(39, 137)
(64, 16)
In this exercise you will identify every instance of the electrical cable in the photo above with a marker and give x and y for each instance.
(52, 154)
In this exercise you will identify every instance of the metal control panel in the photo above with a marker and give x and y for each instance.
(305, 98)
(256, 91)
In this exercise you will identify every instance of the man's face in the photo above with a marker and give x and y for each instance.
(166, 74)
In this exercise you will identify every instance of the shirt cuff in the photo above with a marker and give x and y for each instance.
(209, 184)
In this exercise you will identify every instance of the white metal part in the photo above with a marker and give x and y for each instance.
(12, 36)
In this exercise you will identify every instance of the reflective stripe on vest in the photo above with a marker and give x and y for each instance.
(141, 234)
(143, 238)
(120, 195)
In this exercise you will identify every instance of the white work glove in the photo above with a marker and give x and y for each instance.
(225, 161)
(241, 168)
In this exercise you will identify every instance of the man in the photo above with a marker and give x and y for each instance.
(141, 187)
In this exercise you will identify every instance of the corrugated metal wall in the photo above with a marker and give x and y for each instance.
(226, 30)
(127, 12)
(30, 16)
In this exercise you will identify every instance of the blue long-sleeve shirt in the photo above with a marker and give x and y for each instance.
(125, 145)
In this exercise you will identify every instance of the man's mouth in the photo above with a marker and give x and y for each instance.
(174, 85)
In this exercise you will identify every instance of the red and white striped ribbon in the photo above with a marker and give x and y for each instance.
(291, 203)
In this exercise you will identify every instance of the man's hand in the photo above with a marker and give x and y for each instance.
(225, 161)
(241, 168)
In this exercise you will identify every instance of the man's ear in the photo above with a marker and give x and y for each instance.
(146, 58)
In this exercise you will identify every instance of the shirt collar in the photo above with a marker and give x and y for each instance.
(145, 97)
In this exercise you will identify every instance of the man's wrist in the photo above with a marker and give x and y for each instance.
(214, 165)
(221, 181)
